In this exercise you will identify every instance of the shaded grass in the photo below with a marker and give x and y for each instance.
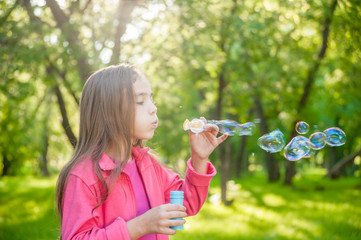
(314, 208)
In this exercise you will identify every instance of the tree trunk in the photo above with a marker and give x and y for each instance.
(44, 154)
(336, 170)
(43, 158)
(271, 162)
(290, 165)
(241, 157)
(225, 173)
(239, 163)
(52, 70)
(6, 165)
(65, 120)
(222, 149)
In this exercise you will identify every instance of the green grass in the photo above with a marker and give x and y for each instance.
(314, 208)
(27, 208)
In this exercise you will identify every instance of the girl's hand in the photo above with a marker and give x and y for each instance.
(202, 145)
(157, 221)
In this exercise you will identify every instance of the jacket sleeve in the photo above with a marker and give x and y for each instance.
(195, 186)
(80, 221)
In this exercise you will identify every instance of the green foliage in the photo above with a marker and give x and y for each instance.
(263, 49)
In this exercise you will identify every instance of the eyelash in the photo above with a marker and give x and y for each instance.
(142, 102)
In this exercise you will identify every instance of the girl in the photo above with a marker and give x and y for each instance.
(112, 188)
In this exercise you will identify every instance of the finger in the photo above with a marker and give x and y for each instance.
(203, 119)
(168, 231)
(176, 214)
(173, 223)
(175, 207)
(211, 128)
(222, 138)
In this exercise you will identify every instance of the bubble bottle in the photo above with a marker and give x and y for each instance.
(176, 197)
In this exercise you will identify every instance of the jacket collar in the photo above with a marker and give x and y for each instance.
(108, 164)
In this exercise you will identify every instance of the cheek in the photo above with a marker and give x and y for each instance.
(139, 120)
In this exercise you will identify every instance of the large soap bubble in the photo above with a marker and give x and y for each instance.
(299, 147)
(318, 139)
(272, 142)
(335, 136)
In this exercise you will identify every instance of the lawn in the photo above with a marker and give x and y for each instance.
(314, 208)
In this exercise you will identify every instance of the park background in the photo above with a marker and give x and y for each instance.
(276, 62)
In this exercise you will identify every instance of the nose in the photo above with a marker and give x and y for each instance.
(153, 108)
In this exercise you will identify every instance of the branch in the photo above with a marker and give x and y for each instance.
(85, 6)
(72, 36)
(5, 17)
(125, 9)
(32, 16)
(62, 75)
(335, 171)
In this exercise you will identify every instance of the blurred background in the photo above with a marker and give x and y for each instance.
(272, 62)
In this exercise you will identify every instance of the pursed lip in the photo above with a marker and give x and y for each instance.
(155, 124)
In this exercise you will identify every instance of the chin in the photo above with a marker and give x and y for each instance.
(146, 137)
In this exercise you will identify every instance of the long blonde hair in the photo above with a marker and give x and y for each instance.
(106, 117)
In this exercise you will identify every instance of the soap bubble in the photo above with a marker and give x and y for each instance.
(335, 136)
(299, 147)
(272, 142)
(302, 127)
(246, 129)
(229, 127)
(318, 139)
(232, 128)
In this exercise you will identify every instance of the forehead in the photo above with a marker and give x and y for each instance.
(142, 86)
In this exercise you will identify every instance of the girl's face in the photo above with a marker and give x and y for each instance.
(146, 120)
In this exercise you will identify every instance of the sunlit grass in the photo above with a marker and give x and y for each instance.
(314, 208)
(27, 208)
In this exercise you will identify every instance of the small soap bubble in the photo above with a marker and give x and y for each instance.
(318, 139)
(299, 147)
(302, 127)
(335, 136)
(272, 142)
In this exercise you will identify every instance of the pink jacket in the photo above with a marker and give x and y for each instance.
(82, 194)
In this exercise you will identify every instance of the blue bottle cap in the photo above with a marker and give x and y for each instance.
(176, 194)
